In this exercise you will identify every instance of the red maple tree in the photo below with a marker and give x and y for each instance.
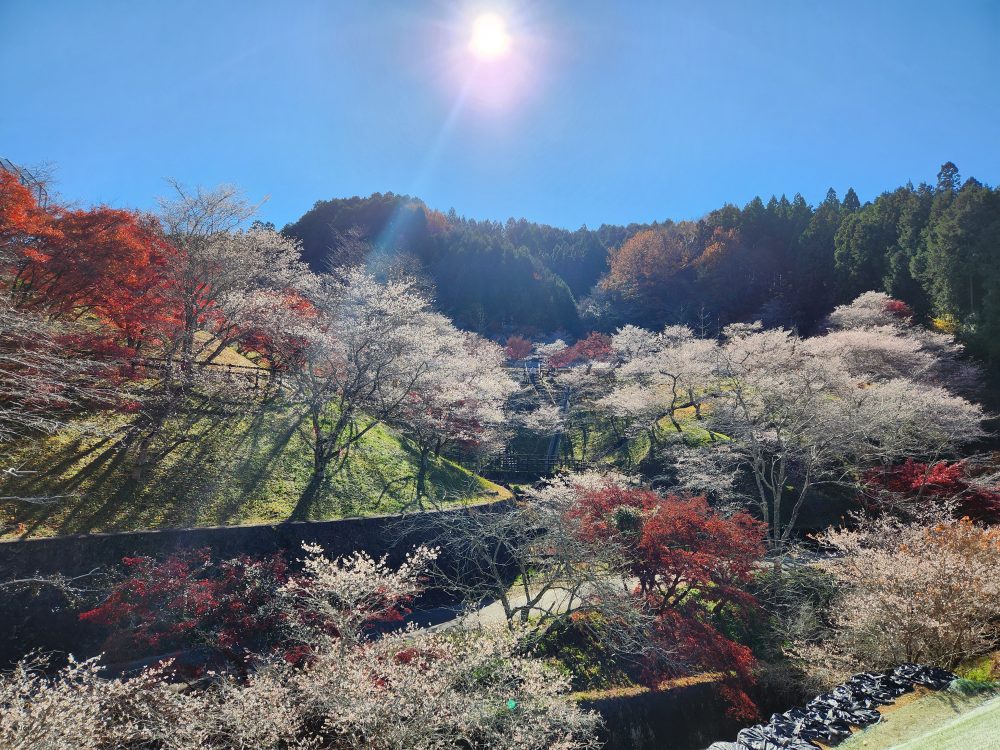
(899, 309)
(518, 347)
(99, 265)
(596, 347)
(231, 607)
(186, 600)
(913, 481)
(692, 567)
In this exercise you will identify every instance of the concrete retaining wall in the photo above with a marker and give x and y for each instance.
(44, 620)
(683, 718)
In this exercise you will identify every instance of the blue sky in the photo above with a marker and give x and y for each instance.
(600, 112)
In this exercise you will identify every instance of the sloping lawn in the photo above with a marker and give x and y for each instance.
(936, 721)
(234, 470)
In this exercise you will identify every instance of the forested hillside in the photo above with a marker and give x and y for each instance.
(934, 246)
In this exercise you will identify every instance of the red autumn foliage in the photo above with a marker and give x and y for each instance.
(692, 566)
(286, 351)
(942, 481)
(101, 262)
(114, 271)
(518, 347)
(23, 222)
(595, 348)
(187, 600)
(899, 309)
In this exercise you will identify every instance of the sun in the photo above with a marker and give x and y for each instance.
(490, 40)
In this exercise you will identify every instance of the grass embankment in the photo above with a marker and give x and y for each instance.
(233, 470)
(964, 717)
(605, 447)
(945, 720)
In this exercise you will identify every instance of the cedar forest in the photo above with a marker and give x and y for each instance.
(931, 246)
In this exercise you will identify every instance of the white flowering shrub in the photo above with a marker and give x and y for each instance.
(911, 593)
(340, 598)
(411, 689)
(870, 309)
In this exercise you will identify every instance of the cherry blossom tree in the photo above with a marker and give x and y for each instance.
(227, 283)
(43, 379)
(460, 401)
(875, 353)
(227, 287)
(877, 334)
(660, 375)
(45, 384)
(557, 573)
(378, 354)
(785, 415)
(795, 420)
(870, 310)
(572, 394)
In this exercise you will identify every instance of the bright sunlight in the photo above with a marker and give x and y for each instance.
(490, 40)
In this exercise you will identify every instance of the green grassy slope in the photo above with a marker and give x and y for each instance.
(938, 721)
(602, 446)
(235, 470)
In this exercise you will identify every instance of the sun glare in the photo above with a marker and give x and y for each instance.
(490, 40)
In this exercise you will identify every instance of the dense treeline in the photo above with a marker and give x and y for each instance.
(782, 261)
(483, 273)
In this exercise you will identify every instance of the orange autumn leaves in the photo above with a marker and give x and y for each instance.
(72, 263)
(647, 265)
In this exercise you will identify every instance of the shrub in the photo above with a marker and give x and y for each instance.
(518, 347)
(914, 593)
(409, 689)
(915, 486)
(185, 600)
(595, 347)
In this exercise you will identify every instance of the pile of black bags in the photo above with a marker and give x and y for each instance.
(828, 718)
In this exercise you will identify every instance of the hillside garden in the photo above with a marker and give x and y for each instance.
(761, 508)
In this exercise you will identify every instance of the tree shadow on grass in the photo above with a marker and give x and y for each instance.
(219, 477)
(73, 453)
(108, 496)
(206, 480)
(304, 507)
(258, 464)
(94, 475)
(146, 503)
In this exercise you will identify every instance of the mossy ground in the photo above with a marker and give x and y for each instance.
(234, 469)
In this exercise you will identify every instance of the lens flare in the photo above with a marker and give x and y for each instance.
(490, 40)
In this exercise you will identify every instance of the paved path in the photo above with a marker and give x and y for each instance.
(487, 613)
